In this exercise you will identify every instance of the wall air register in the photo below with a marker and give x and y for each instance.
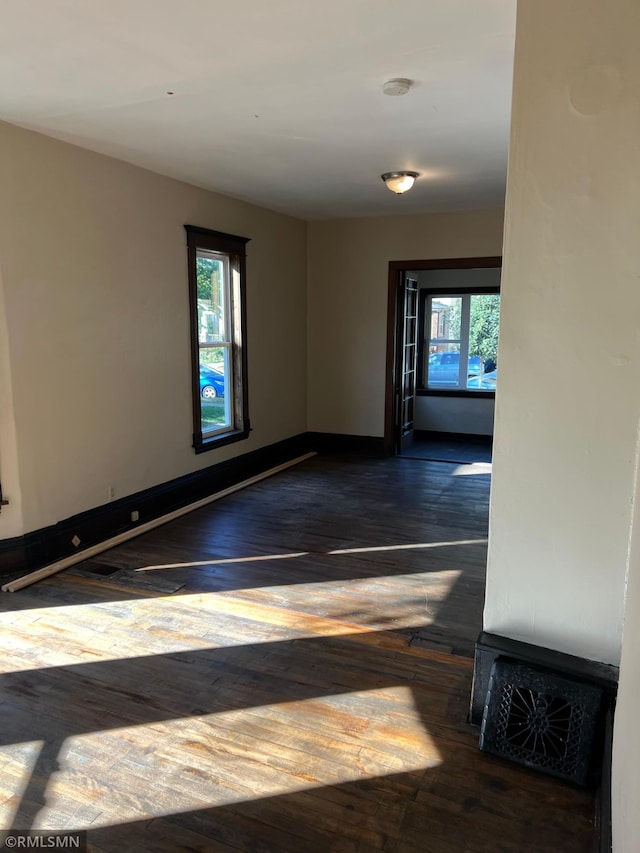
(541, 719)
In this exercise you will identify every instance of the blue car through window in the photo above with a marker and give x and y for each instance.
(444, 369)
(211, 383)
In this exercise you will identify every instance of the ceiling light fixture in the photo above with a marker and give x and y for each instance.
(399, 182)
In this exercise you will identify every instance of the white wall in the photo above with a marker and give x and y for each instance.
(348, 263)
(455, 414)
(93, 261)
(625, 794)
(568, 403)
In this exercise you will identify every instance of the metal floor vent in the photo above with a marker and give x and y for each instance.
(540, 719)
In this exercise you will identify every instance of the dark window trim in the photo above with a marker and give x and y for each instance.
(487, 262)
(3, 501)
(424, 293)
(215, 241)
(235, 248)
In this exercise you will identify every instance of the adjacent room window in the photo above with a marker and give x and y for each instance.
(459, 350)
(218, 341)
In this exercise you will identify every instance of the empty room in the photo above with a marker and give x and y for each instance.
(319, 426)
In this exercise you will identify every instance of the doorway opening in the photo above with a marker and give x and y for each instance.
(442, 328)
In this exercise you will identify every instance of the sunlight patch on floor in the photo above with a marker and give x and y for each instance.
(224, 562)
(471, 469)
(411, 546)
(117, 630)
(237, 756)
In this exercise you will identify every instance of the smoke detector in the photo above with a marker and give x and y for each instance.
(397, 86)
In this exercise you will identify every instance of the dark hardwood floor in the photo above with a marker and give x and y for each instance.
(286, 669)
(450, 448)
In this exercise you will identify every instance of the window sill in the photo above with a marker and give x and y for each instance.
(454, 392)
(202, 445)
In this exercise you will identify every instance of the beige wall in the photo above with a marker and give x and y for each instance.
(93, 262)
(568, 403)
(11, 523)
(348, 280)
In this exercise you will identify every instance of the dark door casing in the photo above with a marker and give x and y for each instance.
(402, 332)
(407, 361)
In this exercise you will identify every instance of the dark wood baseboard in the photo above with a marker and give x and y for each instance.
(490, 646)
(12, 556)
(44, 546)
(603, 799)
(332, 442)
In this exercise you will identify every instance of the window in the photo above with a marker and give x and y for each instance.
(459, 347)
(218, 345)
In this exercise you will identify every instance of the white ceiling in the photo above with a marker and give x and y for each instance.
(275, 101)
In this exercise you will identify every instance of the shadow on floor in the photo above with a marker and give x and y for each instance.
(319, 744)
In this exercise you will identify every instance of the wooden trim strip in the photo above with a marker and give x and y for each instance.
(60, 565)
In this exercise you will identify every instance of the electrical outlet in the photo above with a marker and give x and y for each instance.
(111, 492)
(135, 515)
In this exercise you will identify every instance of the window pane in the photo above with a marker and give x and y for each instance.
(215, 377)
(444, 366)
(446, 312)
(210, 271)
(484, 321)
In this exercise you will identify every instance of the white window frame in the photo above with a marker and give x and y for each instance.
(225, 344)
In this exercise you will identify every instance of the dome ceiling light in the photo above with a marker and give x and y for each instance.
(399, 182)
